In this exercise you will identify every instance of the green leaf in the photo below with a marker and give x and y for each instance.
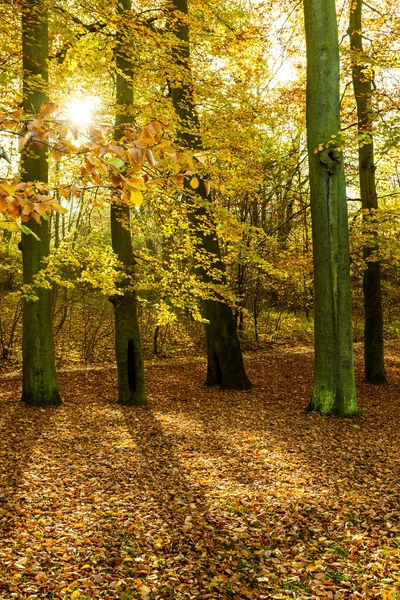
(28, 231)
(116, 162)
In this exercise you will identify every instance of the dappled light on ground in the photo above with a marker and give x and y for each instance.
(203, 494)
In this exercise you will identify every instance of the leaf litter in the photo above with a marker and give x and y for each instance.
(205, 493)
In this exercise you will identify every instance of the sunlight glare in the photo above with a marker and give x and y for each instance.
(80, 111)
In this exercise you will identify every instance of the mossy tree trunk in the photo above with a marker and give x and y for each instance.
(334, 386)
(128, 348)
(373, 313)
(225, 365)
(39, 386)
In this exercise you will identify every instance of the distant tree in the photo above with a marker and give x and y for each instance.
(334, 386)
(224, 357)
(39, 386)
(373, 313)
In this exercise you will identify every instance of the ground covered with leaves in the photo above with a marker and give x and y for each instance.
(204, 493)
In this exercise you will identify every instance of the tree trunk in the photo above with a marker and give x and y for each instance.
(225, 365)
(39, 386)
(373, 313)
(128, 347)
(334, 386)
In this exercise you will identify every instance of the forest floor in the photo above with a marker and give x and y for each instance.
(204, 493)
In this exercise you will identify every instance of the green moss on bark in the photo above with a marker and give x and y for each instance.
(334, 385)
(39, 387)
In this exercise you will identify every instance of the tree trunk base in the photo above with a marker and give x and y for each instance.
(376, 379)
(133, 400)
(39, 400)
(225, 368)
(238, 385)
(236, 380)
(128, 350)
(225, 365)
(330, 404)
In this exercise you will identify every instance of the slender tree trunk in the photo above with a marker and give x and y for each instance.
(39, 387)
(334, 386)
(373, 313)
(128, 347)
(224, 357)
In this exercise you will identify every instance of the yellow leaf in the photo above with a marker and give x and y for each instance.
(194, 183)
(57, 155)
(87, 566)
(58, 208)
(144, 591)
(75, 595)
(177, 168)
(136, 198)
(137, 183)
(146, 138)
(63, 192)
(9, 226)
(7, 188)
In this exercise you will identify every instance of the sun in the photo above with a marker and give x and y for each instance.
(80, 111)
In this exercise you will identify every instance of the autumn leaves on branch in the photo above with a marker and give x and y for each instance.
(142, 159)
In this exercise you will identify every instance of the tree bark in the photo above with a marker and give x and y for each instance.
(128, 347)
(334, 386)
(373, 313)
(39, 386)
(225, 365)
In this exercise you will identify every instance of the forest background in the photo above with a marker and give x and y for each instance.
(248, 65)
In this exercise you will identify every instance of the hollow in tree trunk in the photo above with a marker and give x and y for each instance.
(128, 347)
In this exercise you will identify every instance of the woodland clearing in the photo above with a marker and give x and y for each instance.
(204, 493)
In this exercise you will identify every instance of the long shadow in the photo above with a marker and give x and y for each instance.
(21, 429)
(311, 468)
(329, 448)
(194, 532)
(205, 491)
(61, 492)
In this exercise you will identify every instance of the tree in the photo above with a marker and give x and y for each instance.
(39, 386)
(334, 385)
(224, 357)
(131, 385)
(373, 313)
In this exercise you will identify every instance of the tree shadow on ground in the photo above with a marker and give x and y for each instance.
(21, 427)
(307, 465)
(189, 534)
(204, 492)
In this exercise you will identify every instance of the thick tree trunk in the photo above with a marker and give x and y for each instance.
(39, 387)
(334, 386)
(225, 361)
(128, 348)
(373, 313)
